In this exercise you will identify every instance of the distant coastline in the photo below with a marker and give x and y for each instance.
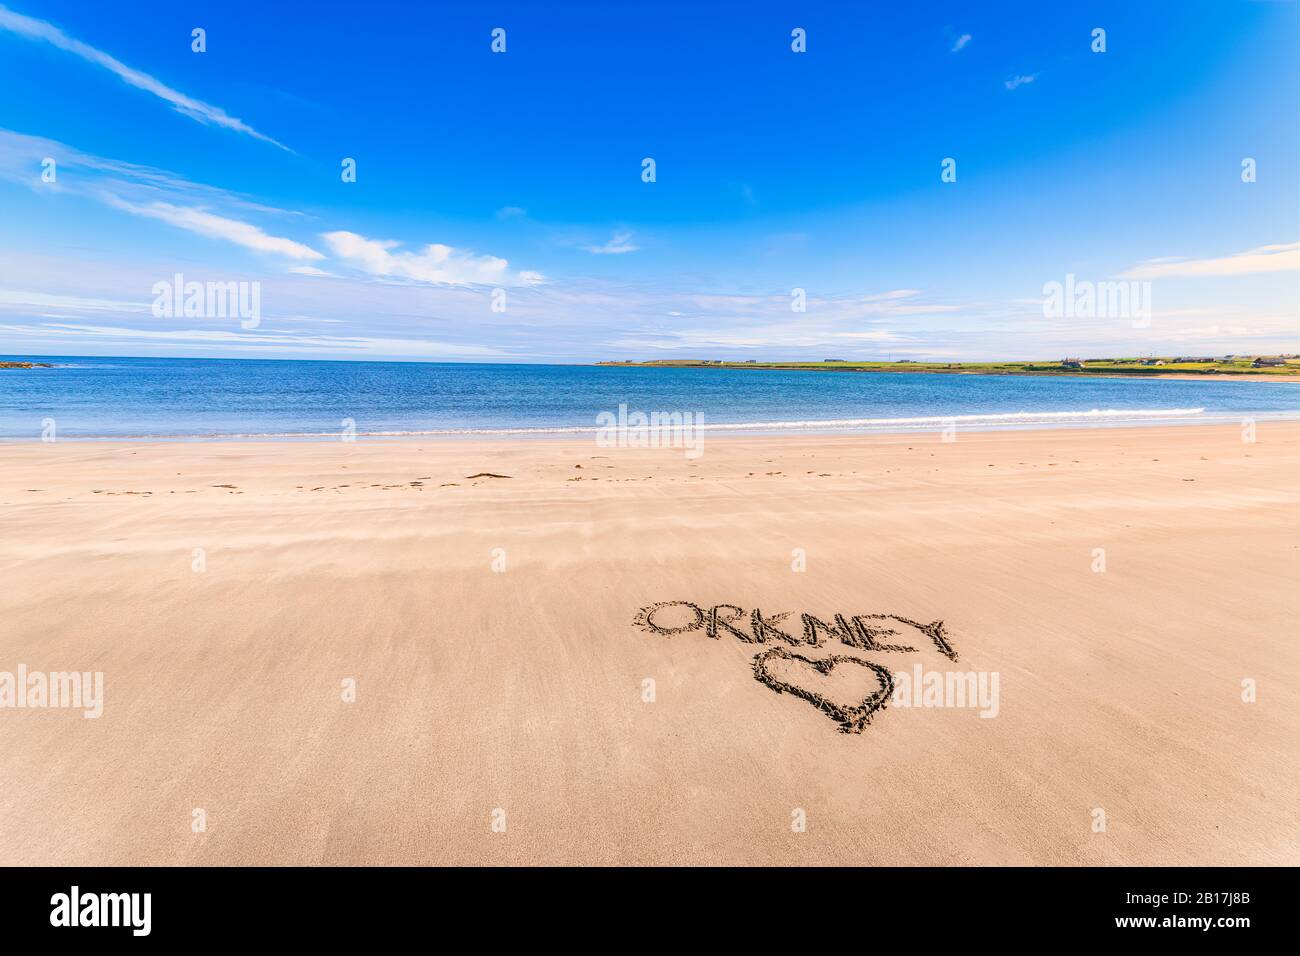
(1255, 367)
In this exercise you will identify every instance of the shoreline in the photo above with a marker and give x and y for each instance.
(713, 430)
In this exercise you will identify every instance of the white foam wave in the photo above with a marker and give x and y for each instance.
(1091, 416)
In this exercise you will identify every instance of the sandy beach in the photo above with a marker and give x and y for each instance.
(509, 707)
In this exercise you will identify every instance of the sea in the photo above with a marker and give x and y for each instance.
(224, 399)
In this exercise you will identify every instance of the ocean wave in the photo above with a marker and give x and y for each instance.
(997, 419)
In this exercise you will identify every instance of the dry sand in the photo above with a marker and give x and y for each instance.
(522, 689)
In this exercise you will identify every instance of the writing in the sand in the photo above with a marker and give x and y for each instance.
(787, 672)
(868, 632)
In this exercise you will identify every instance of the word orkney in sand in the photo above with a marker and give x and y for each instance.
(855, 631)
(868, 632)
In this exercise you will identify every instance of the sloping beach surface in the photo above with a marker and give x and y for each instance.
(1126, 586)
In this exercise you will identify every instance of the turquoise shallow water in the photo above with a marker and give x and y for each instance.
(217, 398)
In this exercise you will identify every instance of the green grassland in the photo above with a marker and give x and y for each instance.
(1235, 366)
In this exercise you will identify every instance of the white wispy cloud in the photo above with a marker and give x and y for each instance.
(878, 307)
(961, 43)
(218, 214)
(147, 192)
(22, 157)
(212, 226)
(1020, 79)
(436, 263)
(774, 338)
(86, 302)
(22, 298)
(896, 303)
(619, 244)
(740, 324)
(260, 341)
(1284, 257)
(34, 29)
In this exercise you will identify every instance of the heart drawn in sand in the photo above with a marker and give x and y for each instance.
(852, 718)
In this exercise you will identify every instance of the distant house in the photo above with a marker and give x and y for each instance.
(904, 362)
(751, 361)
(834, 360)
(1153, 361)
(1071, 363)
(1267, 362)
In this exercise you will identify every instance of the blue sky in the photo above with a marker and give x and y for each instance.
(775, 170)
